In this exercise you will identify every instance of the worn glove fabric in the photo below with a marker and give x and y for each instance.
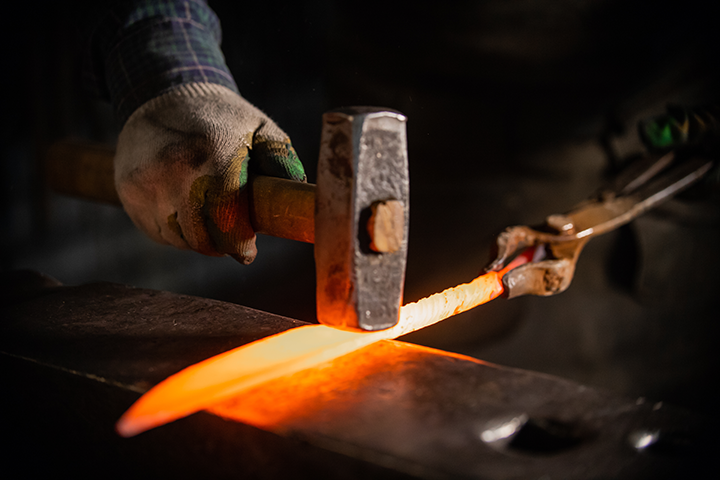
(188, 139)
(682, 126)
(182, 165)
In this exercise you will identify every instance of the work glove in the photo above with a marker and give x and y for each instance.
(182, 164)
(683, 127)
(188, 139)
(696, 129)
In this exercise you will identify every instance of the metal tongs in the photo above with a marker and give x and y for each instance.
(558, 243)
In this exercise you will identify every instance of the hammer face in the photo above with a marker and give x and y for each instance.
(363, 162)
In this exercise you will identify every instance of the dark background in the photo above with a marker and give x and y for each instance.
(509, 106)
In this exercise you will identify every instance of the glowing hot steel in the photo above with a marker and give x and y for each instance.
(206, 383)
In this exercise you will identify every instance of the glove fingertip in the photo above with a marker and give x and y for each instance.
(244, 259)
(277, 159)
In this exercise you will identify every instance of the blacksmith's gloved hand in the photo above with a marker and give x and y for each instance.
(189, 139)
(182, 163)
(696, 129)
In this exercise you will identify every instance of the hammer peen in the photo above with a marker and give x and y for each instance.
(357, 215)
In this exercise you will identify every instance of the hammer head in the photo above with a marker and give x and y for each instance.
(361, 218)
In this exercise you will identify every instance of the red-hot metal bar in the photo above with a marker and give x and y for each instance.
(204, 384)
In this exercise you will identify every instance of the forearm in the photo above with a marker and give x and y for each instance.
(141, 49)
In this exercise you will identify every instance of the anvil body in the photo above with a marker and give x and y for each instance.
(74, 358)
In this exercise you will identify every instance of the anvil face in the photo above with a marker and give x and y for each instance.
(75, 358)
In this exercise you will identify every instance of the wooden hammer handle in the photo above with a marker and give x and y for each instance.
(278, 207)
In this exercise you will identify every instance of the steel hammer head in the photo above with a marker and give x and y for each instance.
(361, 218)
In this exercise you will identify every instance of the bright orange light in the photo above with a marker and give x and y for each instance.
(210, 381)
(305, 400)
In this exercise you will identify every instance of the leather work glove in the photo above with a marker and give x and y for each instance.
(695, 129)
(683, 127)
(188, 138)
(182, 165)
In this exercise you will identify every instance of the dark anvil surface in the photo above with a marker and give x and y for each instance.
(74, 358)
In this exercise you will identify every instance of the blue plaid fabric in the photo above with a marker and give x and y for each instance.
(141, 49)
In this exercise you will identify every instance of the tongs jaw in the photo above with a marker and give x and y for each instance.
(558, 242)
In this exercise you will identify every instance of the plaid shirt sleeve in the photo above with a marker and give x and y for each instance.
(141, 49)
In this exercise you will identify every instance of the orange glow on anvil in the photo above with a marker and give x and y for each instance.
(339, 388)
(218, 378)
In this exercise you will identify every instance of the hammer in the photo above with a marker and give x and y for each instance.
(357, 215)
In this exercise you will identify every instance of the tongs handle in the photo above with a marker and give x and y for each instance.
(559, 242)
(658, 180)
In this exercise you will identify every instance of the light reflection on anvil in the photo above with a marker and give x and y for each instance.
(347, 391)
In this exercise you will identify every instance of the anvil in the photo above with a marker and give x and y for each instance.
(74, 357)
